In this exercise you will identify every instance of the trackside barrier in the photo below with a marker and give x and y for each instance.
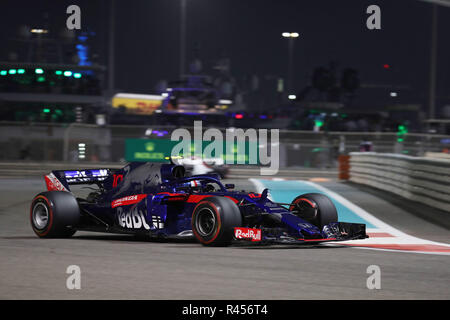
(344, 167)
(419, 179)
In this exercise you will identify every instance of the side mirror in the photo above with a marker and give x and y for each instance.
(229, 186)
(264, 194)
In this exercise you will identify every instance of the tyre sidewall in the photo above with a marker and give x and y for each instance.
(326, 211)
(227, 216)
(218, 230)
(63, 211)
(41, 198)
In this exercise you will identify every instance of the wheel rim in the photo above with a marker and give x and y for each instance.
(40, 215)
(206, 222)
(307, 209)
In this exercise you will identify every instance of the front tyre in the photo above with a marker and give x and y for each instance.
(315, 208)
(54, 214)
(214, 220)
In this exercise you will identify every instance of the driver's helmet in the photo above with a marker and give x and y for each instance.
(195, 183)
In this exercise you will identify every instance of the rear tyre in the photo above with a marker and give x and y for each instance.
(214, 220)
(54, 214)
(315, 208)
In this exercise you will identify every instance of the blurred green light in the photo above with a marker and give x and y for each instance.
(319, 123)
(3, 72)
(58, 72)
(68, 73)
(77, 75)
(39, 71)
(21, 71)
(400, 139)
(41, 79)
(12, 71)
(46, 110)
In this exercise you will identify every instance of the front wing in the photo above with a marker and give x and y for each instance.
(338, 231)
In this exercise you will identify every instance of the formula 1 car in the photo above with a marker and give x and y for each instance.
(157, 200)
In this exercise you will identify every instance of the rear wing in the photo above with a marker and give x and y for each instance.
(59, 180)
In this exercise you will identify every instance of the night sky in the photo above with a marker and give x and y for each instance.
(249, 33)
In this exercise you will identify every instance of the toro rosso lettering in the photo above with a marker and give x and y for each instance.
(247, 234)
(126, 201)
(85, 175)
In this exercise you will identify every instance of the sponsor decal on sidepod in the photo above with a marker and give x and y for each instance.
(133, 219)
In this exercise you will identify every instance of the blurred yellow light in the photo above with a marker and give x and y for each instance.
(39, 31)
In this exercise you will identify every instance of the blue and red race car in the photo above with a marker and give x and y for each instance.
(157, 200)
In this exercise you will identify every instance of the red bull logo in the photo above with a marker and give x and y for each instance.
(247, 234)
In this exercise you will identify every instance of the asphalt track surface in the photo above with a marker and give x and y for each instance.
(122, 267)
